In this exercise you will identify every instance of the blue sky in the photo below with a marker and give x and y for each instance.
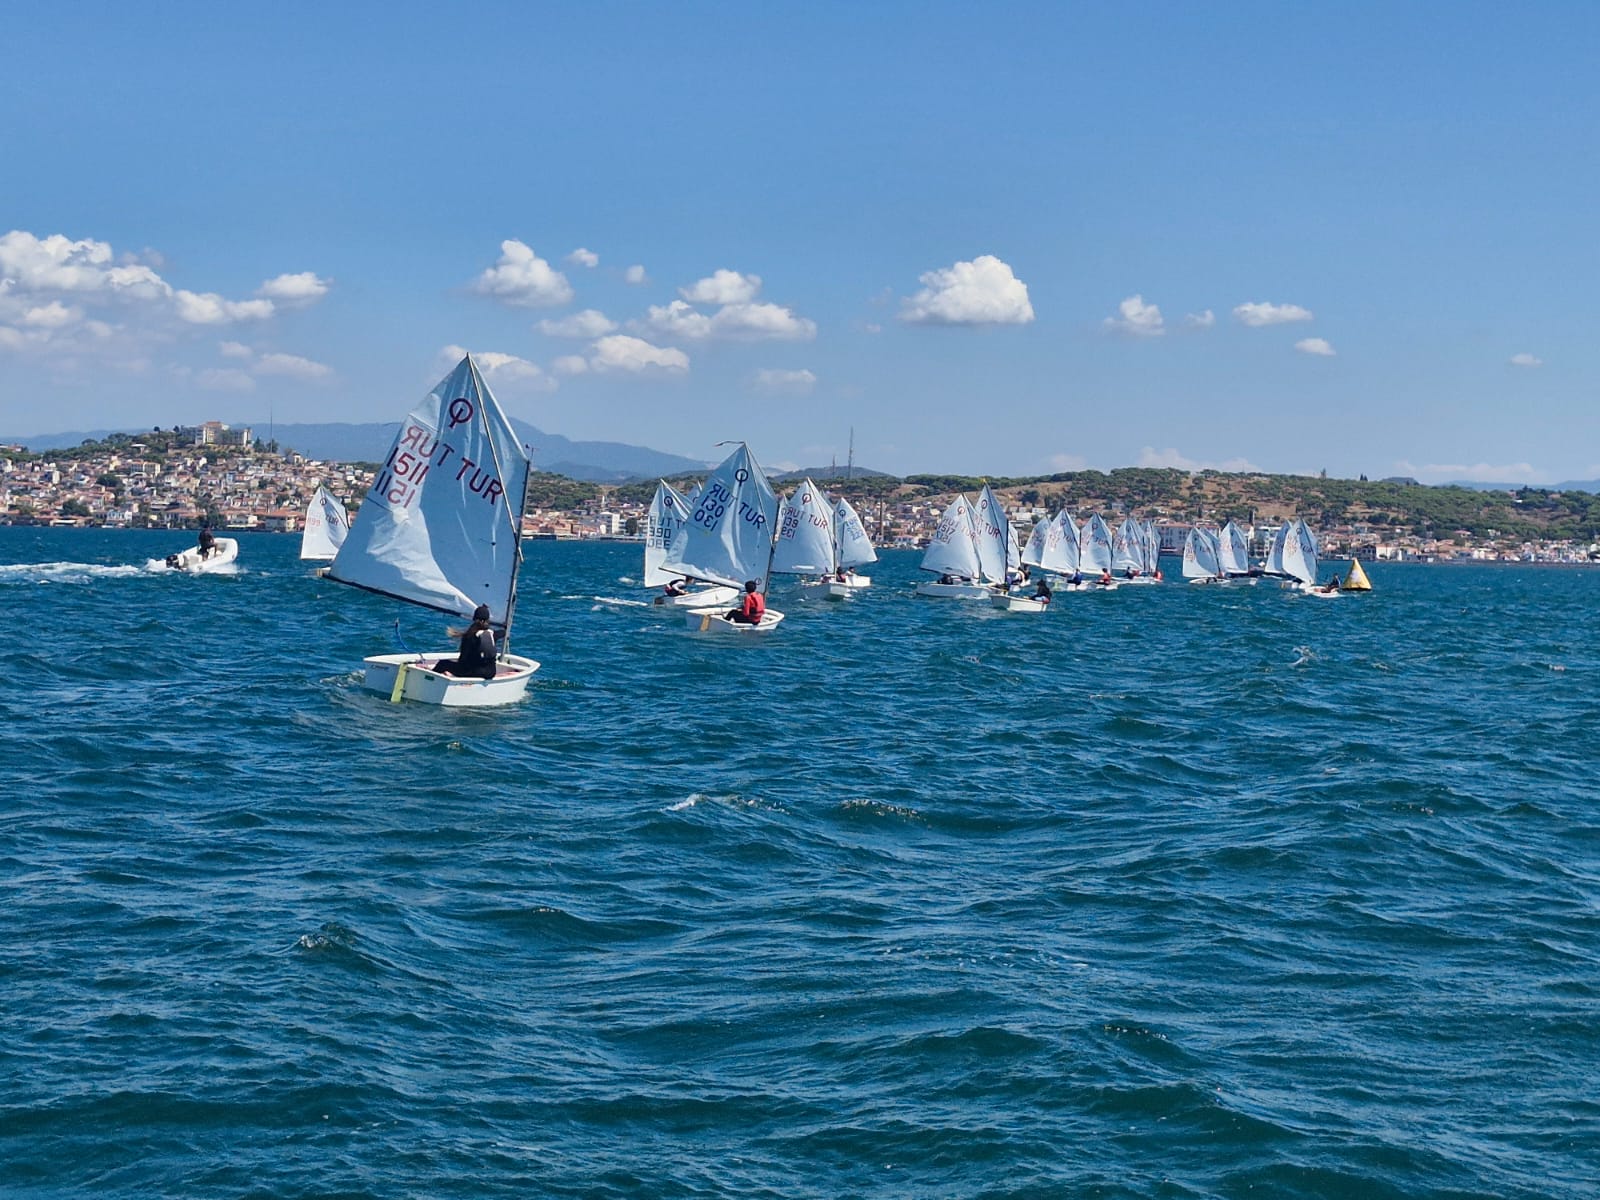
(990, 239)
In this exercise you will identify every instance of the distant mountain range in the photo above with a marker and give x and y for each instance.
(593, 462)
(1569, 485)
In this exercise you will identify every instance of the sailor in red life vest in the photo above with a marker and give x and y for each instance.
(755, 604)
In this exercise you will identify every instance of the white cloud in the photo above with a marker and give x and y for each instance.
(583, 258)
(1526, 360)
(500, 368)
(1518, 472)
(235, 350)
(1200, 320)
(741, 321)
(291, 365)
(981, 292)
(619, 352)
(1137, 319)
(590, 323)
(1151, 457)
(208, 308)
(52, 316)
(302, 288)
(635, 275)
(722, 287)
(1256, 315)
(224, 379)
(1317, 346)
(1067, 462)
(570, 364)
(523, 279)
(772, 379)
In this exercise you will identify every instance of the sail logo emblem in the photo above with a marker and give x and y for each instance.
(460, 411)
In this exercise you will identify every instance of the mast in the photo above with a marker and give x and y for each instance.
(514, 514)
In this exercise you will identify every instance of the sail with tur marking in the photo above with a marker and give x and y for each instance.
(805, 533)
(953, 549)
(1200, 555)
(728, 536)
(441, 524)
(1233, 556)
(850, 536)
(1094, 543)
(668, 512)
(327, 524)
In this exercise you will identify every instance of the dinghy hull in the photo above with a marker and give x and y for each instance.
(224, 553)
(1018, 604)
(716, 623)
(408, 677)
(955, 591)
(712, 597)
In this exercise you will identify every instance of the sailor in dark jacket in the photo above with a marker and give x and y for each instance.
(475, 659)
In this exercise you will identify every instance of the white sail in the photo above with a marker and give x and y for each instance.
(953, 549)
(1071, 539)
(728, 537)
(1274, 563)
(996, 539)
(1299, 557)
(1233, 556)
(440, 526)
(1094, 545)
(327, 523)
(1152, 548)
(805, 533)
(1051, 548)
(850, 536)
(1200, 555)
(668, 512)
(1127, 547)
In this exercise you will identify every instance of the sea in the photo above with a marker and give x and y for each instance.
(1168, 892)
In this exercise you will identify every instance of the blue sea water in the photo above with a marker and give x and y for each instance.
(1173, 892)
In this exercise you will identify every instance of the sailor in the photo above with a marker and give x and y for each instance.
(1041, 590)
(475, 658)
(674, 587)
(208, 541)
(753, 608)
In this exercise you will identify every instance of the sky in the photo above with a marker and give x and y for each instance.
(987, 239)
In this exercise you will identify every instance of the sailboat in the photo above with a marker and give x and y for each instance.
(1233, 556)
(1050, 548)
(1094, 551)
(728, 539)
(439, 528)
(952, 555)
(1293, 557)
(1200, 557)
(1355, 579)
(668, 512)
(804, 544)
(327, 523)
(999, 556)
(852, 548)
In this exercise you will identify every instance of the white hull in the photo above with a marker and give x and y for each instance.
(224, 553)
(843, 591)
(707, 621)
(1088, 585)
(1139, 580)
(1019, 604)
(1240, 581)
(851, 581)
(955, 591)
(407, 677)
(711, 597)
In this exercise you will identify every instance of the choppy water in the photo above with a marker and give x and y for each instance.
(1175, 892)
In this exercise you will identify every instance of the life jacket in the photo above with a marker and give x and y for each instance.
(755, 604)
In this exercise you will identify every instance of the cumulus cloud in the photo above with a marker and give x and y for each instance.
(68, 295)
(619, 352)
(590, 323)
(1482, 472)
(1256, 315)
(291, 365)
(570, 364)
(793, 383)
(224, 379)
(1526, 360)
(981, 292)
(1151, 457)
(501, 368)
(1137, 319)
(208, 308)
(635, 275)
(302, 288)
(1200, 320)
(743, 320)
(722, 287)
(583, 258)
(235, 350)
(523, 279)
(1317, 346)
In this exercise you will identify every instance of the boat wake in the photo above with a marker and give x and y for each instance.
(1305, 654)
(613, 602)
(158, 566)
(64, 572)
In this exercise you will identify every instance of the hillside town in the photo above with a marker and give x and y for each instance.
(217, 475)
